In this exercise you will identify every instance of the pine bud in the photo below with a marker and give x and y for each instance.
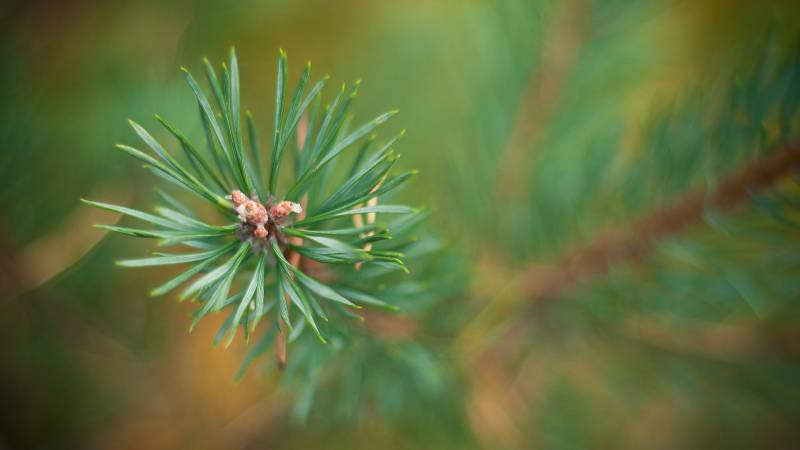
(238, 198)
(283, 209)
(254, 213)
(260, 232)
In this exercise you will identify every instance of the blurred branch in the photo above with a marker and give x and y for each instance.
(636, 241)
(57, 250)
(500, 379)
(713, 341)
(540, 98)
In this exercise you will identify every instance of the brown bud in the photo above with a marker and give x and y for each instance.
(238, 198)
(284, 208)
(255, 213)
(260, 232)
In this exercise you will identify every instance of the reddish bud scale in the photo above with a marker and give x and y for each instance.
(284, 208)
(260, 232)
(255, 213)
(238, 198)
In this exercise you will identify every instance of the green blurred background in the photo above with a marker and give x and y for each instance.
(520, 114)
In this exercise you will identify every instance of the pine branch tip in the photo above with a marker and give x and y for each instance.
(174, 171)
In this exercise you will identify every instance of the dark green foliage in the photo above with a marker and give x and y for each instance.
(699, 323)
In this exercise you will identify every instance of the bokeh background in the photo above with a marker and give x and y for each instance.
(537, 125)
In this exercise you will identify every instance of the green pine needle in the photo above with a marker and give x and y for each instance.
(260, 253)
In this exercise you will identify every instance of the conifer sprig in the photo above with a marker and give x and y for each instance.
(267, 254)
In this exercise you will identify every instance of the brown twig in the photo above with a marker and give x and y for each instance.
(636, 241)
